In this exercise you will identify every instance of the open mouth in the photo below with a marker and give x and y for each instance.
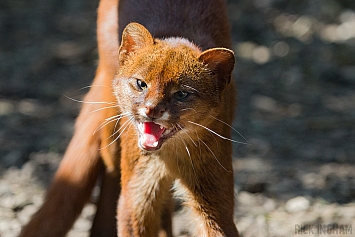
(152, 135)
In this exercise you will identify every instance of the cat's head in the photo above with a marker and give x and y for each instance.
(168, 86)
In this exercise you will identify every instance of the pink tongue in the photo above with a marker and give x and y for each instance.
(151, 134)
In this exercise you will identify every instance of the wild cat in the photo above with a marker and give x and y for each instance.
(156, 118)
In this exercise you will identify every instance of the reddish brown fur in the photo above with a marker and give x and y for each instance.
(205, 179)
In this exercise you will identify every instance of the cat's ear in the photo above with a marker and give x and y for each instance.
(134, 36)
(220, 61)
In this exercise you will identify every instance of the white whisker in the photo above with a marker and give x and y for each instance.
(117, 121)
(88, 87)
(199, 144)
(225, 138)
(102, 125)
(215, 157)
(118, 116)
(107, 107)
(188, 152)
(177, 158)
(186, 134)
(247, 142)
(110, 120)
(128, 125)
(189, 109)
(123, 126)
(89, 102)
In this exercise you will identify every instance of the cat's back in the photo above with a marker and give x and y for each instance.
(203, 22)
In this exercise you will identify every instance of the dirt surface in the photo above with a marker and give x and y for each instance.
(296, 93)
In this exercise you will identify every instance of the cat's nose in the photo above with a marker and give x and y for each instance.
(154, 111)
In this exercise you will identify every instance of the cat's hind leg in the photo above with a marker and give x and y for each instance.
(104, 224)
(71, 187)
(77, 174)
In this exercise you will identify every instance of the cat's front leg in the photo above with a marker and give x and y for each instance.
(210, 195)
(212, 212)
(145, 189)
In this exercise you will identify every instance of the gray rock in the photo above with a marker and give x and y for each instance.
(297, 204)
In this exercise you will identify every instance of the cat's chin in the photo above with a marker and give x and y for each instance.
(153, 135)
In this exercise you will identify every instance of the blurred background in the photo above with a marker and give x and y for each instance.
(295, 73)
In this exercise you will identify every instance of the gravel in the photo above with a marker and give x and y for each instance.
(296, 95)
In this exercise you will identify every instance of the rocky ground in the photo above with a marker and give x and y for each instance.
(296, 78)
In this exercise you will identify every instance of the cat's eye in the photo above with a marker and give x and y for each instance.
(181, 95)
(141, 85)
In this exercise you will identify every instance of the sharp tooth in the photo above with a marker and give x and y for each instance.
(161, 127)
(155, 144)
(140, 126)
